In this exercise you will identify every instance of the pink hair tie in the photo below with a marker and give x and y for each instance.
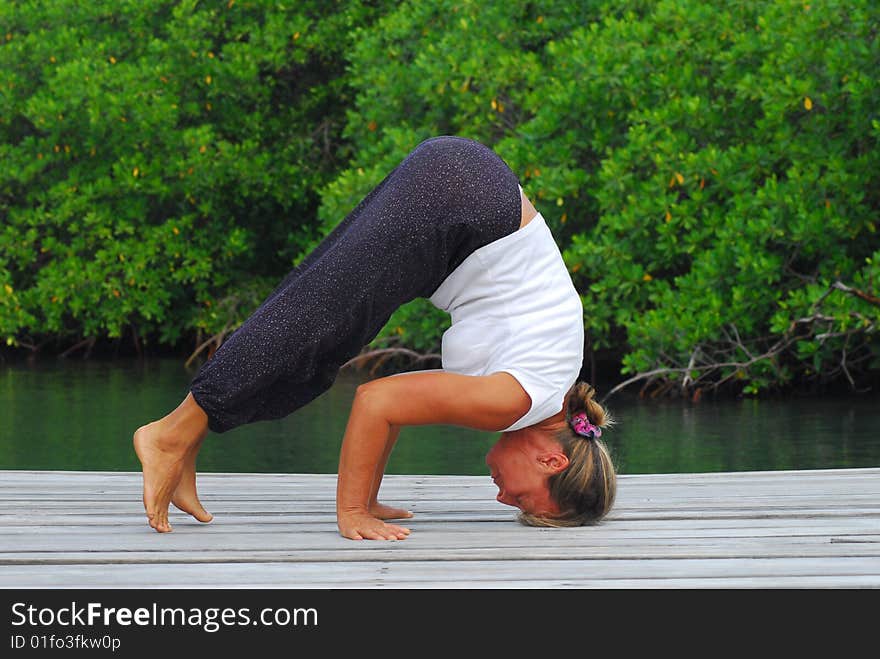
(582, 426)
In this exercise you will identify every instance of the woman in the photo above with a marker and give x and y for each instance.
(452, 224)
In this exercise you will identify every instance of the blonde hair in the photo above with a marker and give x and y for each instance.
(586, 489)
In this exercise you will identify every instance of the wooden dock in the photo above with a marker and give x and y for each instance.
(801, 529)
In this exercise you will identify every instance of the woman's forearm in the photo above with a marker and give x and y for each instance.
(393, 434)
(365, 447)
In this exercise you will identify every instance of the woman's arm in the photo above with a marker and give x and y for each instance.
(491, 402)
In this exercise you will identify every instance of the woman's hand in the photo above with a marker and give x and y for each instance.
(363, 526)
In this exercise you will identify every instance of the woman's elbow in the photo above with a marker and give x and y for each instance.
(370, 399)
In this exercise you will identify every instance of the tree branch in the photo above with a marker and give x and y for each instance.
(839, 285)
(381, 355)
(725, 354)
(216, 339)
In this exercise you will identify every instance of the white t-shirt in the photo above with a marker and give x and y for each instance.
(514, 309)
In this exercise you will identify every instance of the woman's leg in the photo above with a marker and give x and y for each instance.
(448, 197)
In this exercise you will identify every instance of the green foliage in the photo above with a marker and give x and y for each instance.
(710, 170)
(156, 157)
(738, 185)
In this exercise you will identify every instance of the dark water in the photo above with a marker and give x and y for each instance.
(80, 416)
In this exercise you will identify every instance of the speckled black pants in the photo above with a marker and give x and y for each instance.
(448, 197)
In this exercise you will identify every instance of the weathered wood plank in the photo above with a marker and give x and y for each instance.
(424, 574)
(638, 548)
(188, 531)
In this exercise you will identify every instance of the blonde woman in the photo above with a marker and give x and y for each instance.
(449, 223)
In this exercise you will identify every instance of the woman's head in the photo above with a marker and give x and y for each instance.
(558, 474)
(585, 490)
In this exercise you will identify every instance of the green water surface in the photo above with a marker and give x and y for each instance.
(80, 415)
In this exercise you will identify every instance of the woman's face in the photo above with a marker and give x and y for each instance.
(521, 464)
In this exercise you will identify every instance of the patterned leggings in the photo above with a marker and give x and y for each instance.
(448, 197)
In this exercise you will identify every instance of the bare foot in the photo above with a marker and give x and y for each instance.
(163, 459)
(381, 511)
(186, 497)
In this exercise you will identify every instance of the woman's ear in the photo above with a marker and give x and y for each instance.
(553, 461)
